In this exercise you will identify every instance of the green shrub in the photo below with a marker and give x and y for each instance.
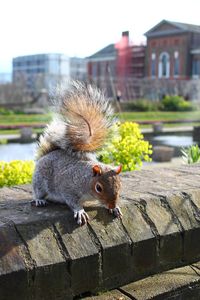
(186, 106)
(140, 105)
(128, 148)
(16, 172)
(191, 154)
(5, 111)
(176, 103)
(3, 141)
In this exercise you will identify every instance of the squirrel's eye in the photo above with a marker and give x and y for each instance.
(98, 188)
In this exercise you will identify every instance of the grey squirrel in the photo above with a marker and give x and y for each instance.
(67, 170)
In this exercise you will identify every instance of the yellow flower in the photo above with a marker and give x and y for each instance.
(16, 172)
(129, 149)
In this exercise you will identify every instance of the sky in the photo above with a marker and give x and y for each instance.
(81, 27)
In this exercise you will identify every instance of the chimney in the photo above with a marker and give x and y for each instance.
(125, 33)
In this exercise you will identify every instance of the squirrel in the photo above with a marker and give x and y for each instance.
(67, 170)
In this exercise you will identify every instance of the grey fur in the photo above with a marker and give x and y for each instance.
(64, 175)
(55, 134)
(66, 179)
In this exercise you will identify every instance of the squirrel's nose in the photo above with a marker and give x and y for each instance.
(111, 206)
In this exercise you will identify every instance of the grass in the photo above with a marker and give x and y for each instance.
(17, 131)
(16, 119)
(159, 116)
(124, 116)
(35, 119)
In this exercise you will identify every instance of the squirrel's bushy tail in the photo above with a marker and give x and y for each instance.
(82, 121)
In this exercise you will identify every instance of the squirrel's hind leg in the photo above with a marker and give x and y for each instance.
(39, 190)
(39, 198)
(39, 202)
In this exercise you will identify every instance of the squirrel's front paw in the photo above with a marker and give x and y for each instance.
(116, 212)
(81, 216)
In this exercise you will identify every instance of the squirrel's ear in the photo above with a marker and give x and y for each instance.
(96, 170)
(118, 169)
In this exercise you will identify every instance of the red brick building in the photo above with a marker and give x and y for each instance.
(120, 60)
(172, 54)
(173, 51)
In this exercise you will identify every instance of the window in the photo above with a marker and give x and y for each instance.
(176, 42)
(164, 65)
(196, 68)
(153, 65)
(176, 64)
(94, 69)
(165, 42)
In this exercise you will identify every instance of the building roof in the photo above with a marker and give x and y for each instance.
(172, 28)
(187, 27)
(108, 51)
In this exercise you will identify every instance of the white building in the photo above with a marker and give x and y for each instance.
(78, 68)
(43, 71)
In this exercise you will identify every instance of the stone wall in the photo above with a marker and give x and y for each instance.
(45, 255)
